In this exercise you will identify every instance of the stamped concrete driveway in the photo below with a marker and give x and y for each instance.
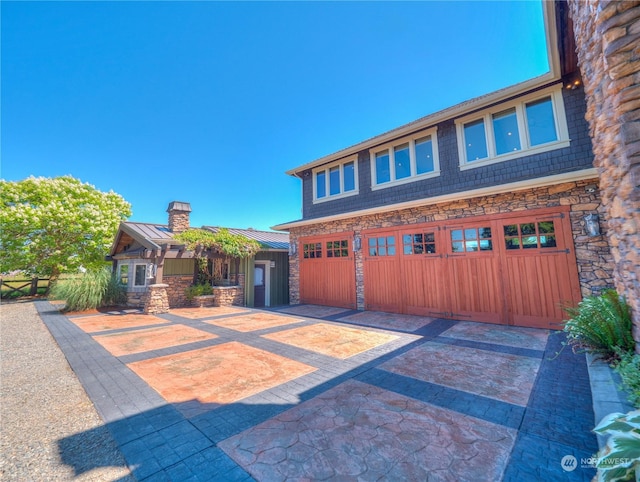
(319, 393)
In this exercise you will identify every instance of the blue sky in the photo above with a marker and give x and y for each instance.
(211, 102)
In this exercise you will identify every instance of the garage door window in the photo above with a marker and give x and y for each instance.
(312, 250)
(530, 235)
(382, 246)
(420, 243)
(471, 239)
(338, 249)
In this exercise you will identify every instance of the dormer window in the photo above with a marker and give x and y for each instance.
(335, 180)
(530, 125)
(405, 160)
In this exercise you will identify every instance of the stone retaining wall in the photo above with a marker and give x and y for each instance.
(136, 298)
(222, 296)
(176, 290)
(607, 38)
(595, 264)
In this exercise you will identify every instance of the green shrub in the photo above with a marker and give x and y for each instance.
(89, 290)
(629, 370)
(601, 325)
(198, 290)
(620, 459)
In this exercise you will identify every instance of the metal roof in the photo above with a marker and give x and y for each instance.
(179, 206)
(160, 234)
(270, 239)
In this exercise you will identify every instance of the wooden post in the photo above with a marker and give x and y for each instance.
(34, 286)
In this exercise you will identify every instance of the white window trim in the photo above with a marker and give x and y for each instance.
(326, 169)
(412, 156)
(133, 280)
(560, 119)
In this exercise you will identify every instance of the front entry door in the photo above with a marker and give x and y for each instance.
(258, 286)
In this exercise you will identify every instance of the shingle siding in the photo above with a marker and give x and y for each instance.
(451, 180)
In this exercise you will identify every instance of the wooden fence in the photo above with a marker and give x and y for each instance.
(15, 288)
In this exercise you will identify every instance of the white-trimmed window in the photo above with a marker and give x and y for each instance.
(139, 275)
(530, 125)
(338, 179)
(405, 160)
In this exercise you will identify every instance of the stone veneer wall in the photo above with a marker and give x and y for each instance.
(156, 300)
(136, 298)
(176, 289)
(607, 38)
(178, 221)
(228, 295)
(595, 264)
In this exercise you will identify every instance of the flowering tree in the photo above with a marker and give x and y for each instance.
(51, 226)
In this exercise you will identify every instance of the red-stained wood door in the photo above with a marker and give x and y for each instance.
(540, 271)
(327, 271)
(473, 266)
(382, 273)
(509, 269)
(424, 278)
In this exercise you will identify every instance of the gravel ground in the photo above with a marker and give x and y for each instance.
(49, 429)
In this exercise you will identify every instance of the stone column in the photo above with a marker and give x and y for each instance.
(607, 38)
(156, 301)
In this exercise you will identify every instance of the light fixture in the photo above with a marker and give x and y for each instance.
(293, 249)
(574, 85)
(592, 225)
(357, 243)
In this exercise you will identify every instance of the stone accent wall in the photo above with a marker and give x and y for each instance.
(222, 296)
(156, 299)
(228, 296)
(607, 37)
(595, 263)
(178, 221)
(136, 299)
(176, 288)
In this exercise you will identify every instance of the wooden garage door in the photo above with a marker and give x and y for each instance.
(384, 292)
(540, 272)
(509, 269)
(327, 271)
(473, 268)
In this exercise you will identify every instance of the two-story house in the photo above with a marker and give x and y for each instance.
(483, 211)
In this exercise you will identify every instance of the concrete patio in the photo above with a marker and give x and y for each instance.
(319, 393)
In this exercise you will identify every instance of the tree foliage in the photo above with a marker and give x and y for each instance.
(50, 226)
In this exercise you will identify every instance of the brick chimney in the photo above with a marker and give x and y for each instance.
(178, 216)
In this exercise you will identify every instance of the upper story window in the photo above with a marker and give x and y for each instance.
(530, 125)
(335, 180)
(405, 160)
